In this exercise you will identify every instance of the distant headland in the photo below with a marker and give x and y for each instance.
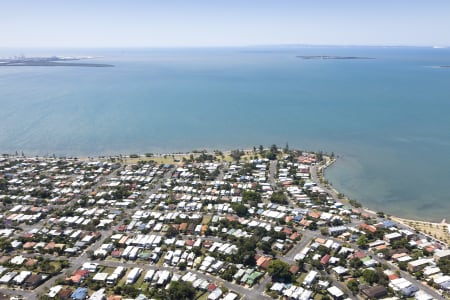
(332, 57)
(52, 61)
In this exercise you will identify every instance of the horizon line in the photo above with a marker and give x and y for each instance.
(226, 46)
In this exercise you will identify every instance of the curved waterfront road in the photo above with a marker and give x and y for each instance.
(432, 292)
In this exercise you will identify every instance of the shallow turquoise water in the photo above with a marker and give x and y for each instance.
(386, 118)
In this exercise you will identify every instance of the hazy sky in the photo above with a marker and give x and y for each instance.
(169, 23)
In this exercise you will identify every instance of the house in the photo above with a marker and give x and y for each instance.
(394, 236)
(133, 275)
(335, 292)
(91, 267)
(33, 281)
(80, 294)
(100, 277)
(324, 260)
(230, 296)
(54, 291)
(340, 271)
(337, 230)
(65, 294)
(367, 227)
(277, 287)
(18, 260)
(215, 295)
(359, 254)
(421, 295)
(98, 295)
(21, 277)
(403, 287)
(6, 278)
(263, 262)
(375, 292)
(438, 255)
(294, 269)
(310, 277)
(78, 276)
(443, 281)
(419, 264)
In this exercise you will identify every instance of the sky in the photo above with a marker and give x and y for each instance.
(198, 23)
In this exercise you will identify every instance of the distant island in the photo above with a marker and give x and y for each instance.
(332, 57)
(53, 61)
(445, 66)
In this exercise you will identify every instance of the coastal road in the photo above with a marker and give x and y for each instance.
(315, 178)
(432, 292)
(273, 173)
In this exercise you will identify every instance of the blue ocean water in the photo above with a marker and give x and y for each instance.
(386, 118)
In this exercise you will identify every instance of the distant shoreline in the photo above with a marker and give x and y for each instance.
(53, 64)
(53, 61)
(332, 57)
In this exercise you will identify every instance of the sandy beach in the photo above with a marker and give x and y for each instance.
(439, 231)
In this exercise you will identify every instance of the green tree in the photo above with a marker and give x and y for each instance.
(362, 241)
(5, 245)
(279, 271)
(353, 285)
(370, 276)
(180, 290)
(171, 232)
(130, 290)
(312, 226)
(3, 184)
(229, 272)
(402, 265)
(279, 197)
(444, 265)
(236, 154)
(251, 197)
(182, 266)
(121, 193)
(240, 209)
(354, 203)
(274, 149)
(324, 231)
(356, 263)
(266, 247)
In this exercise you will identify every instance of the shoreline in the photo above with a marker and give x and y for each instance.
(439, 231)
(434, 230)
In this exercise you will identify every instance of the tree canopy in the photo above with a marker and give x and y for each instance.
(240, 209)
(279, 271)
(251, 197)
(279, 198)
(180, 290)
(370, 276)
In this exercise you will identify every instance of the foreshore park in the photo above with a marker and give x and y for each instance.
(262, 223)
